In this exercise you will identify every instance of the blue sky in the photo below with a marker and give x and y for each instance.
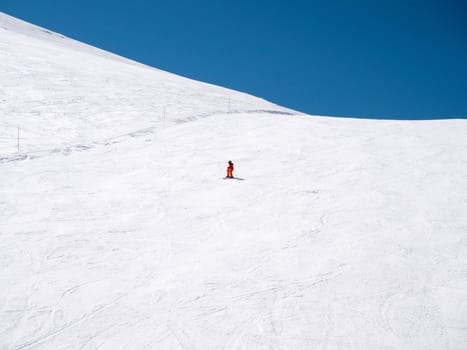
(372, 58)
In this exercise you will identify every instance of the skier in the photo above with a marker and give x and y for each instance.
(230, 170)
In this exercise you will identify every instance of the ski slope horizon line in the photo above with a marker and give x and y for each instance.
(297, 109)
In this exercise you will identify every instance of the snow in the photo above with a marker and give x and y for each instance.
(118, 231)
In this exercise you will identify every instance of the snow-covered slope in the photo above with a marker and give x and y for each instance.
(60, 93)
(117, 231)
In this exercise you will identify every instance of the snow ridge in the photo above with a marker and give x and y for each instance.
(27, 29)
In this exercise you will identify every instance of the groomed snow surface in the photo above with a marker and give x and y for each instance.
(117, 230)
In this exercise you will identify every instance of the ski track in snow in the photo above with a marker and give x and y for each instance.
(191, 270)
(345, 234)
(7, 158)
